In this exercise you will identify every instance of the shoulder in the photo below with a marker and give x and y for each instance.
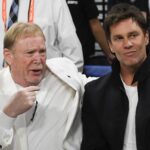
(61, 64)
(5, 77)
(95, 92)
(99, 84)
(4, 71)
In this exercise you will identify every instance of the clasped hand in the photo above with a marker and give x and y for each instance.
(21, 101)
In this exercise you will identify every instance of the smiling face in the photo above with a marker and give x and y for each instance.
(128, 42)
(27, 60)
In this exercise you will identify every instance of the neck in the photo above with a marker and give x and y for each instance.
(127, 75)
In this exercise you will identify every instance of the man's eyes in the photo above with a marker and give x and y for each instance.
(29, 53)
(42, 51)
(133, 35)
(32, 52)
(118, 38)
(130, 36)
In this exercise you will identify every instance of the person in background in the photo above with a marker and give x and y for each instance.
(142, 6)
(115, 112)
(88, 27)
(39, 100)
(54, 18)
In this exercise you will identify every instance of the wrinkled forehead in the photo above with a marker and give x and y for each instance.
(25, 35)
(29, 42)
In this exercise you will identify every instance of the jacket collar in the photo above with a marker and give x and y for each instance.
(143, 71)
(140, 74)
(65, 75)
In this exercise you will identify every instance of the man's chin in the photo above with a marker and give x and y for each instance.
(35, 82)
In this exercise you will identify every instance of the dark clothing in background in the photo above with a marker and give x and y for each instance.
(141, 4)
(82, 11)
(105, 111)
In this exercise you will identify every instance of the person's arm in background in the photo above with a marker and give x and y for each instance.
(68, 41)
(100, 37)
(91, 12)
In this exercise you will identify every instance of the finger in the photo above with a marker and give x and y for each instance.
(32, 93)
(32, 97)
(32, 88)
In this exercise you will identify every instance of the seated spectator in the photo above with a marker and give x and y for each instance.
(53, 17)
(116, 107)
(39, 101)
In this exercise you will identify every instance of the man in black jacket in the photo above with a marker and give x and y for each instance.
(116, 107)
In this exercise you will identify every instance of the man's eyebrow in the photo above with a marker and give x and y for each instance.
(117, 36)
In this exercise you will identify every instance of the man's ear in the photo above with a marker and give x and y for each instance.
(8, 56)
(110, 46)
(147, 38)
(112, 50)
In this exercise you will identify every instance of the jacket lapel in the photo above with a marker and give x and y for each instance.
(69, 79)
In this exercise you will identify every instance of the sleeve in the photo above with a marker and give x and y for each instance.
(90, 9)
(92, 135)
(6, 130)
(68, 41)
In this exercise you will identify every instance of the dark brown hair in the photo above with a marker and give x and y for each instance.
(121, 12)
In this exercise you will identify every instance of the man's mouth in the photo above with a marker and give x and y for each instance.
(36, 71)
(130, 53)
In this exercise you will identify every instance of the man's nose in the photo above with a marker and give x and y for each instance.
(127, 43)
(37, 57)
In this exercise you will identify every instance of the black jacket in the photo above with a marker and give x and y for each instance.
(105, 111)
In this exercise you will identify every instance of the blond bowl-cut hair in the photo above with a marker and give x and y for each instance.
(20, 31)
